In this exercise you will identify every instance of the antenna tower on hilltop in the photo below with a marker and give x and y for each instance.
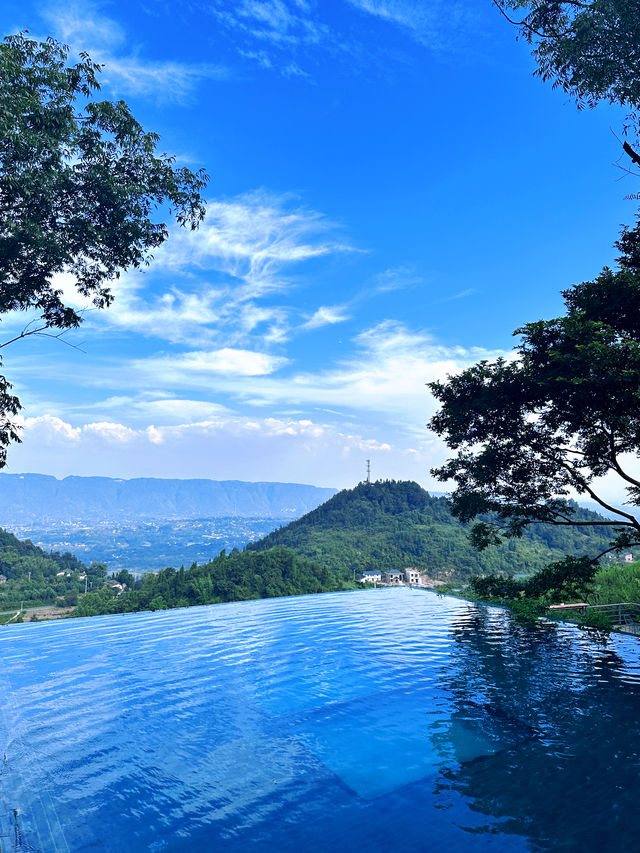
(368, 470)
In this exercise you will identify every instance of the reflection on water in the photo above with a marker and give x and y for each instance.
(373, 721)
(567, 707)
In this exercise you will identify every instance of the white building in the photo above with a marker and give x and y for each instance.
(371, 577)
(412, 576)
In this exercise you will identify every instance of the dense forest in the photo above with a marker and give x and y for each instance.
(390, 525)
(237, 576)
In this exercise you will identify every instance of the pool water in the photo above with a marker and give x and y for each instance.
(376, 720)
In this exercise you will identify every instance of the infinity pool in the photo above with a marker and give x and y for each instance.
(381, 720)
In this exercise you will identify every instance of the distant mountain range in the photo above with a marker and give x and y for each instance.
(38, 499)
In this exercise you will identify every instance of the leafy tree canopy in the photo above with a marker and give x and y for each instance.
(590, 49)
(81, 190)
(564, 411)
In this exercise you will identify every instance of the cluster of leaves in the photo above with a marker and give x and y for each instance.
(616, 583)
(568, 579)
(237, 576)
(595, 620)
(391, 525)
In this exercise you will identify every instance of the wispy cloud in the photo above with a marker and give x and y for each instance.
(286, 36)
(249, 248)
(442, 26)
(253, 234)
(82, 25)
(382, 380)
(326, 315)
(396, 278)
(386, 375)
(469, 291)
(278, 22)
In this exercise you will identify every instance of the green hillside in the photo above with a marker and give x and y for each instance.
(31, 575)
(391, 525)
(381, 525)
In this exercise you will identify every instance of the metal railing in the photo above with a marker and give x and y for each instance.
(624, 613)
(623, 616)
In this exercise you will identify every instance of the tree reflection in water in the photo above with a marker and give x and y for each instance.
(559, 712)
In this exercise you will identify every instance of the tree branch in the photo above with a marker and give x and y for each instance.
(24, 334)
(581, 483)
(525, 25)
(521, 24)
(635, 157)
(616, 464)
(606, 551)
(605, 505)
(611, 523)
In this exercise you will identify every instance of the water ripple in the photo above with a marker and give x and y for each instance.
(374, 720)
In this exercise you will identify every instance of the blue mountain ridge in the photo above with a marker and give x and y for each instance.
(41, 499)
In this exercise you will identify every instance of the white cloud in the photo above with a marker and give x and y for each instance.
(386, 375)
(289, 450)
(383, 379)
(201, 364)
(326, 315)
(46, 430)
(247, 249)
(155, 407)
(81, 25)
(110, 432)
(376, 402)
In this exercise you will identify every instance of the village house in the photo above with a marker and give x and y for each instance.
(371, 577)
(394, 576)
(410, 575)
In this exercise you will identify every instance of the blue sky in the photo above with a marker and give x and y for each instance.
(392, 193)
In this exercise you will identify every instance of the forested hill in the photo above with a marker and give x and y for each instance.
(391, 525)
